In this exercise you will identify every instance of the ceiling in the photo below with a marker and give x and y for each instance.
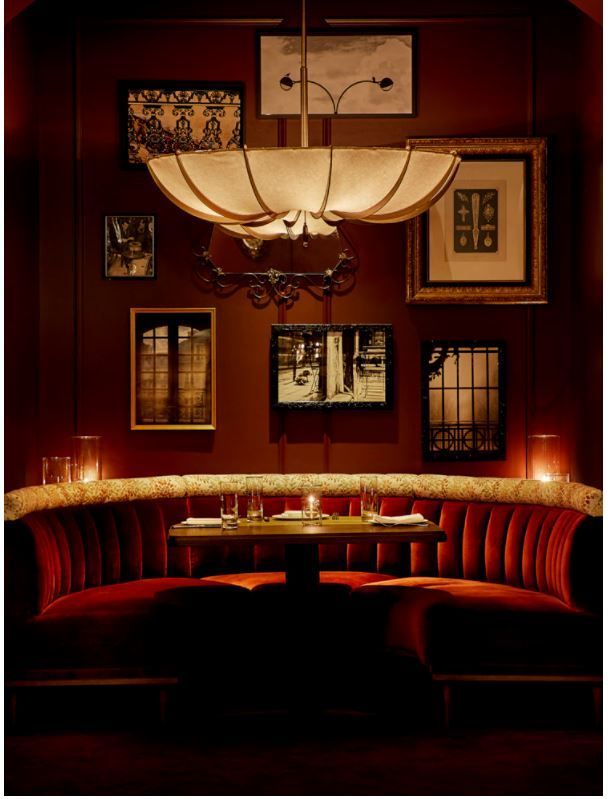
(592, 8)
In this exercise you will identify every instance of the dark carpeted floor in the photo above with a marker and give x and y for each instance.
(336, 754)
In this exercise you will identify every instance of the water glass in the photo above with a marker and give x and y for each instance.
(369, 497)
(311, 504)
(229, 517)
(56, 469)
(254, 512)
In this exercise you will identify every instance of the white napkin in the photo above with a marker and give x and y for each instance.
(194, 521)
(412, 518)
(294, 515)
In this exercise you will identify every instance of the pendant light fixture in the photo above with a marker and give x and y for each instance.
(303, 191)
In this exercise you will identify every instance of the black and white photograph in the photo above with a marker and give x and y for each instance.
(129, 246)
(173, 368)
(463, 400)
(350, 74)
(331, 366)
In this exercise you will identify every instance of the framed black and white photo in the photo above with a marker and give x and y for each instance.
(463, 400)
(159, 117)
(331, 366)
(173, 368)
(129, 246)
(351, 74)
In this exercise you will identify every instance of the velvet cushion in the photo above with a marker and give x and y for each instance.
(132, 624)
(465, 626)
(344, 581)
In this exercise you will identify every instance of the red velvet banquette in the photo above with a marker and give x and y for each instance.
(93, 592)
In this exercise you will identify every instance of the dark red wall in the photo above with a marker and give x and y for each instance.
(489, 76)
(21, 265)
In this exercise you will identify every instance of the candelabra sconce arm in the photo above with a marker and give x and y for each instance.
(385, 84)
(275, 284)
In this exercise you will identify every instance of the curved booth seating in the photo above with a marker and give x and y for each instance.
(513, 594)
(93, 588)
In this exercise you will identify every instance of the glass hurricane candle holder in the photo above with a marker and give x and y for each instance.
(86, 458)
(311, 504)
(543, 457)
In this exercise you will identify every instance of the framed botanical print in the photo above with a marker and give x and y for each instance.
(129, 246)
(159, 117)
(173, 368)
(484, 240)
(351, 74)
(463, 400)
(331, 366)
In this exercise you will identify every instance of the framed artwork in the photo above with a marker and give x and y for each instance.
(331, 366)
(129, 246)
(159, 117)
(463, 400)
(173, 368)
(484, 241)
(351, 74)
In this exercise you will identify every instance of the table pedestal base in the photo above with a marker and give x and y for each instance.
(302, 567)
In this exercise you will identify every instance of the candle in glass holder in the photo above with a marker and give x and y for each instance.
(311, 505)
(86, 458)
(543, 458)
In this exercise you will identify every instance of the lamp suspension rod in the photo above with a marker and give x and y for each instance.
(304, 99)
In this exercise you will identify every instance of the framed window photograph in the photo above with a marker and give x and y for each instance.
(351, 74)
(129, 246)
(173, 368)
(484, 240)
(331, 366)
(463, 400)
(162, 117)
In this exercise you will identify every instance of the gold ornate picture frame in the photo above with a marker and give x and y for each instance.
(173, 368)
(484, 241)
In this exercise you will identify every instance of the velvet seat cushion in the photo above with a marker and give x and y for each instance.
(133, 624)
(342, 581)
(469, 626)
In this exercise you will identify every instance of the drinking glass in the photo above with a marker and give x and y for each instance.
(56, 469)
(229, 517)
(254, 512)
(311, 504)
(369, 497)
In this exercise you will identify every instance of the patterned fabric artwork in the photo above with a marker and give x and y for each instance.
(167, 120)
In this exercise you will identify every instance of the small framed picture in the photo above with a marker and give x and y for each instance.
(331, 366)
(173, 368)
(160, 117)
(129, 246)
(463, 400)
(351, 74)
(484, 241)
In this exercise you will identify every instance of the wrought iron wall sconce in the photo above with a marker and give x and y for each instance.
(275, 284)
(385, 84)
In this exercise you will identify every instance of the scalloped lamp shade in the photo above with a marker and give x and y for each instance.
(284, 192)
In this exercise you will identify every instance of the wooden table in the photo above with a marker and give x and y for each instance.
(301, 542)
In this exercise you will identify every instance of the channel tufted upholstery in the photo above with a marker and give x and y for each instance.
(94, 582)
(513, 589)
